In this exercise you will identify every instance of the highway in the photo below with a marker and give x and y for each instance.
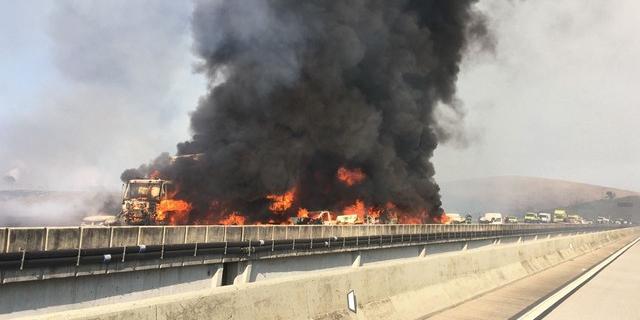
(512, 300)
(611, 294)
(479, 272)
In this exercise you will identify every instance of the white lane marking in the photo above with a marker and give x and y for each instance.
(541, 309)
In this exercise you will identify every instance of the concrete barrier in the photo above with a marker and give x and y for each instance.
(95, 237)
(25, 239)
(3, 239)
(53, 238)
(174, 235)
(62, 238)
(215, 233)
(397, 289)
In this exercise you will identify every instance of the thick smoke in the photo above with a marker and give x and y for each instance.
(312, 86)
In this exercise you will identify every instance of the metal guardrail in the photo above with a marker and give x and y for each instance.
(250, 244)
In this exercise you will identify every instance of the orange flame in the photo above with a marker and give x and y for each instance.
(443, 218)
(233, 218)
(303, 213)
(357, 208)
(173, 211)
(350, 177)
(281, 202)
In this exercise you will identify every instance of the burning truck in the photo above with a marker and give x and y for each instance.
(146, 202)
(151, 202)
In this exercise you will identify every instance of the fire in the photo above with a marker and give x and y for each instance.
(284, 206)
(406, 219)
(443, 218)
(281, 202)
(358, 208)
(233, 218)
(350, 177)
(303, 213)
(173, 211)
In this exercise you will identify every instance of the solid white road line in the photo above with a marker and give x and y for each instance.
(543, 308)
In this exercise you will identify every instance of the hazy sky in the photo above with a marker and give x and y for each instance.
(88, 88)
(559, 98)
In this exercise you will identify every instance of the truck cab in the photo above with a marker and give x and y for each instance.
(559, 215)
(140, 199)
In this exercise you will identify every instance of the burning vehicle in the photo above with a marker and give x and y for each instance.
(145, 202)
(151, 202)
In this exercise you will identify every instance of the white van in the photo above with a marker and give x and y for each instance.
(544, 217)
(491, 218)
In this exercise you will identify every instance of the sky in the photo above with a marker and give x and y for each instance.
(89, 88)
(557, 98)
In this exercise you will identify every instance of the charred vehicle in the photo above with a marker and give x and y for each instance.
(141, 200)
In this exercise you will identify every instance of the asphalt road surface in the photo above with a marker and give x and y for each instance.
(614, 293)
(508, 301)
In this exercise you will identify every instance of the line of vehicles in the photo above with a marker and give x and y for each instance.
(558, 216)
(142, 200)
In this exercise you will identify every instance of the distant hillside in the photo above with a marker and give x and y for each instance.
(515, 195)
(45, 208)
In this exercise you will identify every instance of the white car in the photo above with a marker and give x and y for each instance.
(491, 218)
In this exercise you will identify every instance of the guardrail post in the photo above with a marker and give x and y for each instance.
(111, 237)
(46, 239)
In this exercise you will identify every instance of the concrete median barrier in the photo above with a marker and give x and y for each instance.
(393, 289)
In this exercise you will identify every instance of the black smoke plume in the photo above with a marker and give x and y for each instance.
(312, 86)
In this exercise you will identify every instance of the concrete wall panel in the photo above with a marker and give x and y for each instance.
(215, 233)
(102, 289)
(95, 237)
(280, 232)
(233, 233)
(196, 234)
(277, 268)
(26, 238)
(3, 239)
(174, 234)
(251, 233)
(316, 231)
(305, 232)
(292, 232)
(125, 236)
(62, 238)
(150, 235)
(266, 232)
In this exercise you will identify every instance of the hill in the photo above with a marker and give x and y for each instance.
(516, 194)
